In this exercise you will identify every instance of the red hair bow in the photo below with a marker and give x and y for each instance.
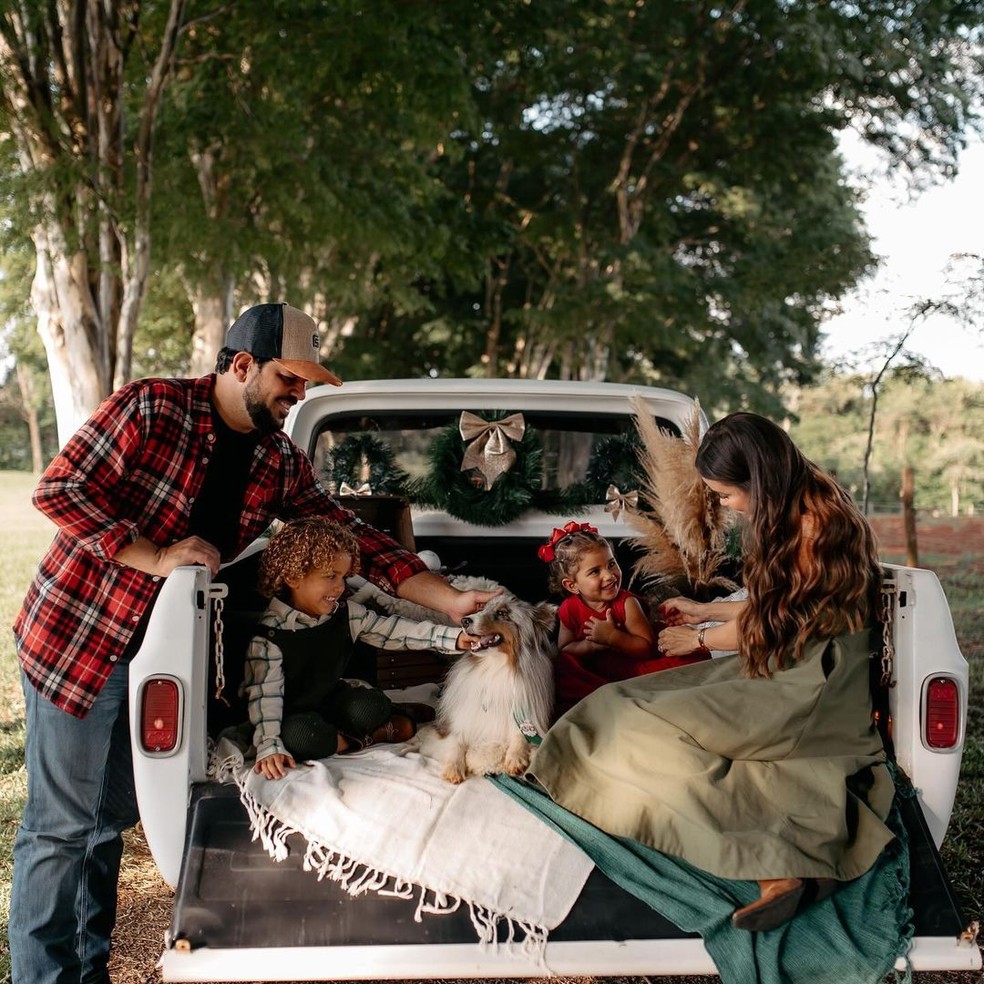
(546, 551)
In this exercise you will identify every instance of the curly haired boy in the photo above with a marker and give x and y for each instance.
(300, 706)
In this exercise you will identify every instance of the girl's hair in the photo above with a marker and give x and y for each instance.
(568, 552)
(301, 546)
(810, 563)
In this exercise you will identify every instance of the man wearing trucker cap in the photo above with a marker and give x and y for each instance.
(166, 472)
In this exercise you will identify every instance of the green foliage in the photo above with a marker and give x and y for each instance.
(667, 180)
(934, 426)
(162, 342)
(638, 191)
(298, 137)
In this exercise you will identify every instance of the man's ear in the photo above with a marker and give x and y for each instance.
(241, 363)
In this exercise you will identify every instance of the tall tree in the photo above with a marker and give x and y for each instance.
(81, 83)
(668, 179)
(298, 138)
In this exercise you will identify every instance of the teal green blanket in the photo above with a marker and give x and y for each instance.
(855, 935)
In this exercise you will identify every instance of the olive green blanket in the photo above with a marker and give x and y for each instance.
(856, 935)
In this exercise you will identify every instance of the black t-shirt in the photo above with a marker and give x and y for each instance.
(216, 513)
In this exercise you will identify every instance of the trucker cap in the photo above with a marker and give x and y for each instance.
(282, 333)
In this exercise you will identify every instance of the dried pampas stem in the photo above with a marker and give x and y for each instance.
(682, 533)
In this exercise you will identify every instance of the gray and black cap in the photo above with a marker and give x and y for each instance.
(284, 334)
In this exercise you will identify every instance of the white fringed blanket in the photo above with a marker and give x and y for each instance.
(384, 820)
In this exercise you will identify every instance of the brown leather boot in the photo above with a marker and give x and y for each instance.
(780, 900)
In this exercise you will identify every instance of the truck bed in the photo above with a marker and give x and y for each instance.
(233, 897)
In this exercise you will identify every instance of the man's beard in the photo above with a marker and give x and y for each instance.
(261, 415)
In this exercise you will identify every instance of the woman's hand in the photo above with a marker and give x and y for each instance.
(678, 640)
(681, 611)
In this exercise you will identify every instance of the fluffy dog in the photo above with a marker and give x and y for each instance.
(497, 699)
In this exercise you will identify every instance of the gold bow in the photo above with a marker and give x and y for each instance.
(347, 489)
(490, 451)
(617, 501)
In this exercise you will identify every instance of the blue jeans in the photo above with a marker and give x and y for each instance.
(80, 797)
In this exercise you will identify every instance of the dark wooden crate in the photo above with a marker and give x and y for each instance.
(388, 513)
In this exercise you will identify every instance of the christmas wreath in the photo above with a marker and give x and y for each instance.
(486, 469)
(363, 461)
(613, 466)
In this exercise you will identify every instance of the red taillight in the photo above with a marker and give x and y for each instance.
(160, 715)
(942, 715)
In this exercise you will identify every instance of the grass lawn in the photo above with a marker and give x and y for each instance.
(24, 535)
(954, 550)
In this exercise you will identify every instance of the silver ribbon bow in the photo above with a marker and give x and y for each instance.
(490, 450)
(617, 501)
(346, 489)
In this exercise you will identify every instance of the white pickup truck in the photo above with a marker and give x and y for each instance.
(241, 916)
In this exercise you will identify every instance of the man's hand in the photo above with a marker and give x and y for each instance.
(193, 550)
(433, 591)
(275, 766)
(470, 603)
(160, 561)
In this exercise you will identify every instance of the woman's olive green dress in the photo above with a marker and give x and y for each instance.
(744, 778)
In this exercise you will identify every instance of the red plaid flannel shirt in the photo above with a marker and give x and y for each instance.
(134, 468)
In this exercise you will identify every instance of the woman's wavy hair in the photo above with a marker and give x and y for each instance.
(302, 546)
(800, 586)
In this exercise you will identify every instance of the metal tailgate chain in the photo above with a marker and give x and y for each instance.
(889, 594)
(218, 593)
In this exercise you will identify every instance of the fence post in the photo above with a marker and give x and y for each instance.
(909, 517)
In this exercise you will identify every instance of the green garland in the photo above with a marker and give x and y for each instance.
(447, 487)
(614, 461)
(348, 461)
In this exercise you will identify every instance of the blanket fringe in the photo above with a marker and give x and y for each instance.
(358, 878)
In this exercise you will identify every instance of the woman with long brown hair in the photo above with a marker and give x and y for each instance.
(764, 765)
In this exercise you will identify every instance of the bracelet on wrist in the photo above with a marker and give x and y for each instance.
(700, 638)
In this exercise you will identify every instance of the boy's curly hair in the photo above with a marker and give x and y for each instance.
(301, 546)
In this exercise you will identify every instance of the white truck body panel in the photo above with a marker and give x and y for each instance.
(604, 958)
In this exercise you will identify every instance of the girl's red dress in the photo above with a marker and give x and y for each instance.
(577, 676)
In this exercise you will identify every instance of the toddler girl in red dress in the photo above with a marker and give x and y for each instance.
(605, 633)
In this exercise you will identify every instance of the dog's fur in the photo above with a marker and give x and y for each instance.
(490, 691)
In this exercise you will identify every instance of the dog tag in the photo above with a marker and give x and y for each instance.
(527, 728)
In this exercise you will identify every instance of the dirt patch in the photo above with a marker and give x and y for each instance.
(936, 539)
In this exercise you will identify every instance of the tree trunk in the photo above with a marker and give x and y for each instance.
(69, 329)
(29, 411)
(909, 517)
(954, 498)
(63, 77)
(213, 315)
